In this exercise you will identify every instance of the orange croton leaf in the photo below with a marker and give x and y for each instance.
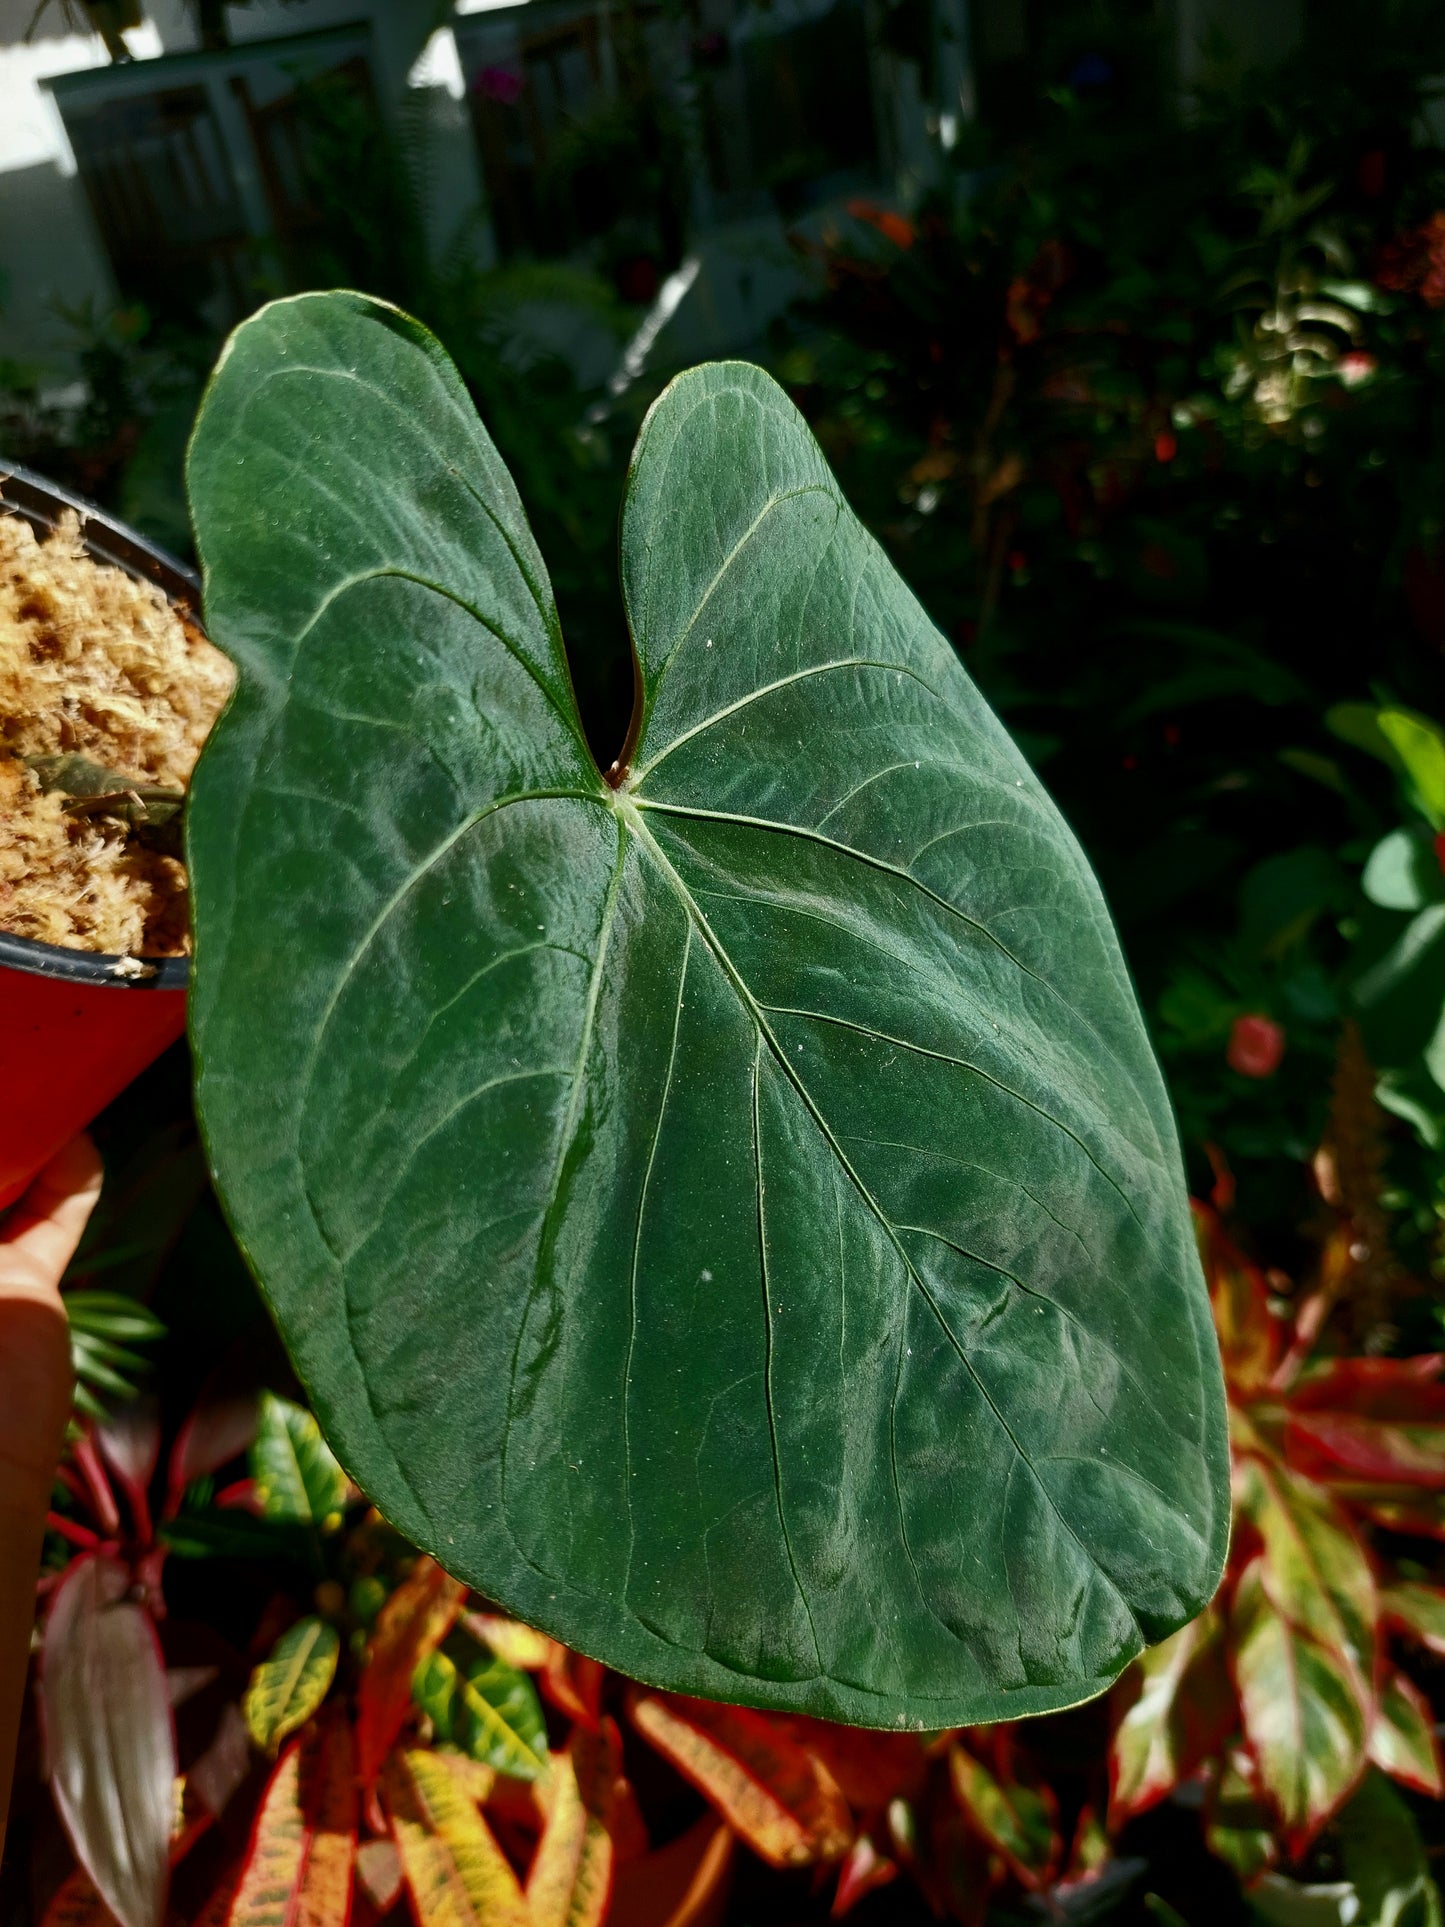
(1018, 1821)
(298, 1866)
(863, 1869)
(781, 1800)
(1306, 1713)
(870, 1768)
(1402, 1740)
(1418, 1610)
(573, 1683)
(409, 1628)
(684, 1884)
(1174, 1707)
(1251, 1337)
(378, 1873)
(456, 1873)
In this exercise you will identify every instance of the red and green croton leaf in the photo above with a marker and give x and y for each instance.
(1017, 1821)
(1175, 1708)
(1403, 1742)
(1418, 1610)
(1303, 1645)
(1373, 1421)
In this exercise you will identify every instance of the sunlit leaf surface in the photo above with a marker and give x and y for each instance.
(733, 1218)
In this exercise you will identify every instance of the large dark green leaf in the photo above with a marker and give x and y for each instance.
(734, 1218)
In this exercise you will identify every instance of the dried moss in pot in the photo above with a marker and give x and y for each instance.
(107, 693)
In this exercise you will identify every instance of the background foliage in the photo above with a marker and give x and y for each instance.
(1146, 404)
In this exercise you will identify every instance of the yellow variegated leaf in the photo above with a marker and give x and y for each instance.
(571, 1878)
(487, 1708)
(512, 1642)
(287, 1688)
(457, 1874)
(298, 1867)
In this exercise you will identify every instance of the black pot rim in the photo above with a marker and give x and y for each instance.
(40, 502)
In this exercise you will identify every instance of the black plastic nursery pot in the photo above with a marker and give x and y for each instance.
(75, 1026)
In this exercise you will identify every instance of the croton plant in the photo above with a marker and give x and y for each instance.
(399, 1742)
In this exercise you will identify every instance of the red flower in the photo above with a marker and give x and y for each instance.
(1256, 1045)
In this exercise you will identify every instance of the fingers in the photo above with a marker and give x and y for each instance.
(40, 1239)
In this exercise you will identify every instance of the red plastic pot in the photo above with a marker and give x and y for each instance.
(76, 1027)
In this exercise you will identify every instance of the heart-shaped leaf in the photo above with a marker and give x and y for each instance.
(731, 1214)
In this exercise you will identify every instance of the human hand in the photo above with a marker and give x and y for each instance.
(37, 1242)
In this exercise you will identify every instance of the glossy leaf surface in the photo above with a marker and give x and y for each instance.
(296, 1475)
(734, 1218)
(457, 1874)
(289, 1685)
(487, 1709)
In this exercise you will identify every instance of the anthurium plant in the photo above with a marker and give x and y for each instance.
(725, 1209)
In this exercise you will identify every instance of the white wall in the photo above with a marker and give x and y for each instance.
(49, 251)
